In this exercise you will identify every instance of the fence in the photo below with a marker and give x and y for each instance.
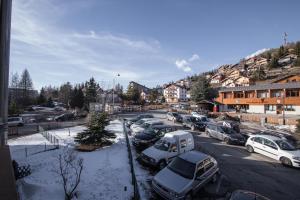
(134, 181)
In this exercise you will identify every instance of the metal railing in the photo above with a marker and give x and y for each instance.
(133, 176)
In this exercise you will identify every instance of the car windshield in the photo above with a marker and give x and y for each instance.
(228, 130)
(162, 145)
(150, 131)
(182, 167)
(175, 115)
(140, 122)
(195, 119)
(285, 145)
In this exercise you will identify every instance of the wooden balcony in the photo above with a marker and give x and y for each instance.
(259, 101)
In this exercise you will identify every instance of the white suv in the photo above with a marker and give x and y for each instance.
(274, 147)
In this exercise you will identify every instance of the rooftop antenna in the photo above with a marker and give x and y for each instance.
(285, 38)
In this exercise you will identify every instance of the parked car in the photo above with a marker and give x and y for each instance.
(185, 175)
(201, 117)
(285, 136)
(15, 121)
(129, 122)
(64, 117)
(226, 134)
(146, 125)
(230, 124)
(152, 135)
(174, 117)
(141, 122)
(167, 148)
(275, 148)
(193, 123)
(246, 195)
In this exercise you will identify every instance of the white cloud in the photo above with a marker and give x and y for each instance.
(256, 53)
(186, 65)
(194, 57)
(183, 65)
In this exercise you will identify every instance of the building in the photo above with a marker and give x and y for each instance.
(262, 98)
(261, 61)
(235, 82)
(287, 78)
(287, 59)
(174, 93)
(144, 96)
(139, 87)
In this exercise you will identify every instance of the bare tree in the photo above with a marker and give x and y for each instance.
(70, 168)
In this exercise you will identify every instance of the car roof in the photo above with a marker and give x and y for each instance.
(178, 132)
(270, 137)
(164, 126)
(194, 156)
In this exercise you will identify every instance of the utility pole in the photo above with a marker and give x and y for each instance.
(5, 21)
(113, 95)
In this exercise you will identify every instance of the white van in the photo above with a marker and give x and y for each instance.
(167, 148)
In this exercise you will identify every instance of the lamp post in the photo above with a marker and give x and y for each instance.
(283, 105)
(113, 94)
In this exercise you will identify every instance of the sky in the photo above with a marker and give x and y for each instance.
(150, 42)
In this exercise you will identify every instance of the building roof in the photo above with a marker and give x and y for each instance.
(271, 86)
(194, 156)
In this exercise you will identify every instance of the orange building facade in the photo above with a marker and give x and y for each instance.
(273, 98)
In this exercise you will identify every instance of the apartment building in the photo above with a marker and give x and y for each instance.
(174, 93)
(269, 98)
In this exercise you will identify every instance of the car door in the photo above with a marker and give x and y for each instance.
(270, 148)
(220, 133)
(257, 143)
(204, 173)
(214, 129)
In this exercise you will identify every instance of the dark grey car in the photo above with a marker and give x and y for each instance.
(225, 134)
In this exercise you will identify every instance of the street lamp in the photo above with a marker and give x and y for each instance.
(113, 94)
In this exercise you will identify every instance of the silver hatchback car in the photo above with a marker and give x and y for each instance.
(185, 175)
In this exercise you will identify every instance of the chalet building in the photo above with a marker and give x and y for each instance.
(269, 98)
(144, 96)
(175, 93)
(139, 87)
(234, 82)
(287, 59)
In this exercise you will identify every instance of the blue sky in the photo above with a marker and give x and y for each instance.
(151, 42)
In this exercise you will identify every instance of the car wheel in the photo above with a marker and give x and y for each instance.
(192, 127)
(189, 196)
(250, 149)
(285, 161)
(226, 140)
(162, 164)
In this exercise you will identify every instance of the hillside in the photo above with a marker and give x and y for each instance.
(268, 65)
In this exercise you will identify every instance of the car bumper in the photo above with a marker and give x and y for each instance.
(147, 162)
(163, 193)
(296, 163)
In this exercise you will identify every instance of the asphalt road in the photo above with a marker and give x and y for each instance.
(242, 170)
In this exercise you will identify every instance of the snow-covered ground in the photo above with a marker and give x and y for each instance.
(105, 175)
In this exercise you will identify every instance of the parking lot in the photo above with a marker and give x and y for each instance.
(239, 170)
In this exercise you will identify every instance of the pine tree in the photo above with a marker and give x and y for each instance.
(41, 100)
(96, 133)
(26, 85)
(273, 63)
(201, 90)
(91, 88)
(65, 93)
(77, 98)
(133, 94)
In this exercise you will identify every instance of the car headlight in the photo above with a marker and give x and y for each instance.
(174, 194)
(296, 158)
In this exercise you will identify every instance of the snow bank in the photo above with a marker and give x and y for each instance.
(106, 171)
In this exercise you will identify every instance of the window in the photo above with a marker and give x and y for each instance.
(209, 166)
(270, 144)
(227, 95)
(262, 94)
(276, 93)
(292, 93)
(183, 143)
(289, 108)
(238, 95)
(249, 95)
(270, 107)
(258, 140)
(200, 171)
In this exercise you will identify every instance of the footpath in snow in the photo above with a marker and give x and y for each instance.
(105, 175)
